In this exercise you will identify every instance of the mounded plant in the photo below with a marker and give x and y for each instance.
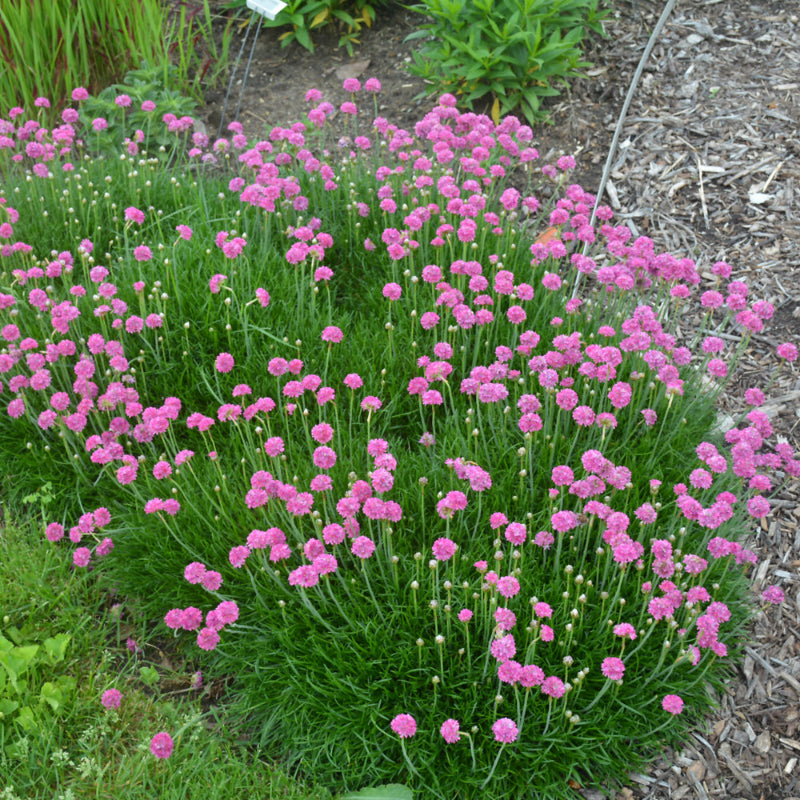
(508, 53)
(394, 432)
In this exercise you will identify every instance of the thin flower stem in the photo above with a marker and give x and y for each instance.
(494, 766)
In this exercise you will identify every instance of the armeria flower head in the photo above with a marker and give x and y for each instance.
(613, 668)
(508, 586)
(161, 745)
(363, 547)
(625, 630)
(224, 362)
(553, 687)
(305, 576)
(773, 594)
(211, 580)
(404, 725)
(111, 698)
(371, 403)
(353, 381)
(504, 648)
(450, 731)
(142, 253)
(332, 334)
(444, 549)
(672, 703)
(505, 730)
(787, 351)
(207, 639)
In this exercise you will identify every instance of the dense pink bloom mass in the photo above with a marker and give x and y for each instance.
(224, 362)
(505, 730)
(613, 668)
(787, 350)
(111, 698)
(207, 639)
(672, 703)
(363, 547)
(404, 725)
(773, 594)
(332, 334)
(161, 745)
(450, 731)
(508, 586)
(444, 549)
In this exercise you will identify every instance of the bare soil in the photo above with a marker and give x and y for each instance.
(708, 166)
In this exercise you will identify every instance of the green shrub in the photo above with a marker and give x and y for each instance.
(512, 53)
(121, 106)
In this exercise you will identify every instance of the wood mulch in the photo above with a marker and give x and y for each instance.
(708, 166)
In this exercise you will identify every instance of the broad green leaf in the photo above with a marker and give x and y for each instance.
(345, 17)
(304, 39)
(57, 647)
(17, 661)
(149, 675)
(8, 707)
(52, 695)
(26, 719)
(389, 791)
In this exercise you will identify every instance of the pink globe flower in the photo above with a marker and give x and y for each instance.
(142, 253)
(207, 639)
(444, 549)
(553, 687)
(353, 381)
(54, 532)
(404, 725)
(224, 362)
(450, 731)
(111, 698)
(332, 334)
(508, 586)
(613, 668)
(672, 703)
(371, 403)
(505, 730)
(773, 594)
(161, 745)
(324, 457)
(363, 547)
(305, 576)
(787, 350)
(392, 291)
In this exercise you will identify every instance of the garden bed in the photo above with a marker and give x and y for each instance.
(708, 166)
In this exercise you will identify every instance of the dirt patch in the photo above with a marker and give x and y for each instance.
(279, 77)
